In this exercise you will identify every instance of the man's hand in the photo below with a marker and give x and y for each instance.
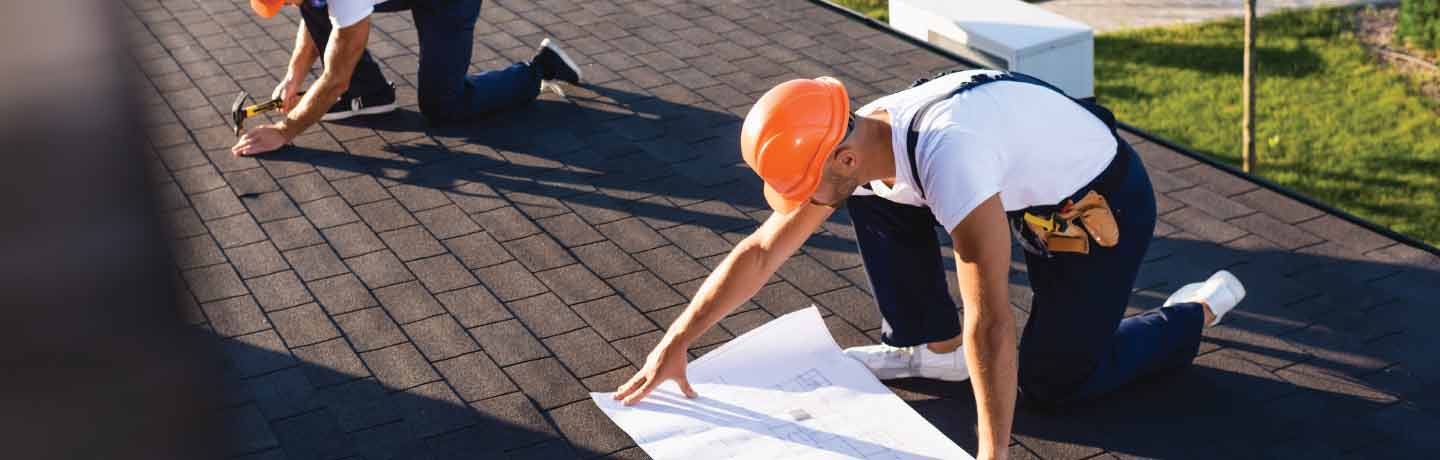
(288, 91)
(666, 362)
(261, 139)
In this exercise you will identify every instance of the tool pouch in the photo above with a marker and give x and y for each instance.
(1071, 228)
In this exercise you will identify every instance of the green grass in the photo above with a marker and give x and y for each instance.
(1330, 123)
(878, 9)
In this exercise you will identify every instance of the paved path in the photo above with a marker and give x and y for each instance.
(1112, 15)
(384, 290)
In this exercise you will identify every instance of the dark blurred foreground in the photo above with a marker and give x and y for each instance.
(96, 361)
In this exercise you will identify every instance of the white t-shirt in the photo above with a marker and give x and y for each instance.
(1026, 142)
(345, 13)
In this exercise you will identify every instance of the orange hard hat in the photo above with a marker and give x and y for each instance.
(266, 8)
(789, 133)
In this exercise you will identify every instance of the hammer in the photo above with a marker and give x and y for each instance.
(239, 111)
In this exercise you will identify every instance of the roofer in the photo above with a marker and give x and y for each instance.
(352, 84)
(983, 154)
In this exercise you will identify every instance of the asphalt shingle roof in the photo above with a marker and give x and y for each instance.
(389, 290)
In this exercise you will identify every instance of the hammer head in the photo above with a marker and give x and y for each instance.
(238, 114)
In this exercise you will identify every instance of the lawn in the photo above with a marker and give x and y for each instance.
(1331, 122)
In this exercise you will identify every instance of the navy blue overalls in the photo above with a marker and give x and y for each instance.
(1076, 343)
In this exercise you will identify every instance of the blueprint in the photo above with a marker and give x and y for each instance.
(783, 390)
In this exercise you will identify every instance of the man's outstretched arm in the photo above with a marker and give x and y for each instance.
(734, 281)
(982, 259)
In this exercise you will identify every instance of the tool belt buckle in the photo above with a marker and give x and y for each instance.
(1069, 229)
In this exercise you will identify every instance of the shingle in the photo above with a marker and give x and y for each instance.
(385, 215)
(400, 366)
(329, 212)
(696, 241)
(315, 262)
(419, 198)
(570, 230)
(304, 325)
(353, 239)
(442, 273)
(478, 250)
(370, 329)
(235, 316)
(546, 315)
(613, 318)
(256, 259)
(214, 282)
(360, 190)
(475, 376)
(379, 269)
(539, 252)
(574, 284)
(196, 251)
(646, 291)
(585, 353)
(810, 276)
(292, 233)
(342, 294)
(277, 291)
(547, 383)
(671, 264)
(440, 338)
(408, 302)
(235, 230)
(606, 259)
(359, 404)
(524, 424)
(632, 235)
(589, 429)
(506, 223)
(307, 187)
(510, 281)
(473, 306)
(412, 243)
(447, 222)
(331, 362)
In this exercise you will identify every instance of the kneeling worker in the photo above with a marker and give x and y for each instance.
(352, 85)
(984, 155)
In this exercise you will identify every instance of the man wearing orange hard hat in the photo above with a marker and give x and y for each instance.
(352, 85)
(986, 156)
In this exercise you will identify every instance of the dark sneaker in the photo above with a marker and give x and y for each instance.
(372, 104)
(554, 64)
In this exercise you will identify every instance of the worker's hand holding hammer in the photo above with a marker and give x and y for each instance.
(289, 91)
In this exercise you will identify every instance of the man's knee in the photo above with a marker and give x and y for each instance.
(1050, 381)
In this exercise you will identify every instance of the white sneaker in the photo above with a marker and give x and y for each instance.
(889, 362)
(1222, 292)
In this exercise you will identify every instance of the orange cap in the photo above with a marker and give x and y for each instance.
(266, 8)
(789, 133)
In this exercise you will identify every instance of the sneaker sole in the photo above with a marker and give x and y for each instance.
(579, 75)
(376, 110)
(950, 376)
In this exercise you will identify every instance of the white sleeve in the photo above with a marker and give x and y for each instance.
(959, 172)
(345, 13)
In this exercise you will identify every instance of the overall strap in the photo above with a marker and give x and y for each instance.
(912, 137)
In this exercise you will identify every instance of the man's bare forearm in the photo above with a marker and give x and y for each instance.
(744, 271)
(341, 54)
(304, 55)
(736, 279)
(990, 352)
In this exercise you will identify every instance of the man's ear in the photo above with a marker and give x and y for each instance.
(846, 158)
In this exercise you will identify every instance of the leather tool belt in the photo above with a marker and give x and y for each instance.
(1068, 229)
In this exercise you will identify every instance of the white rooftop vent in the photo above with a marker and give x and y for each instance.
(1006, 34)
